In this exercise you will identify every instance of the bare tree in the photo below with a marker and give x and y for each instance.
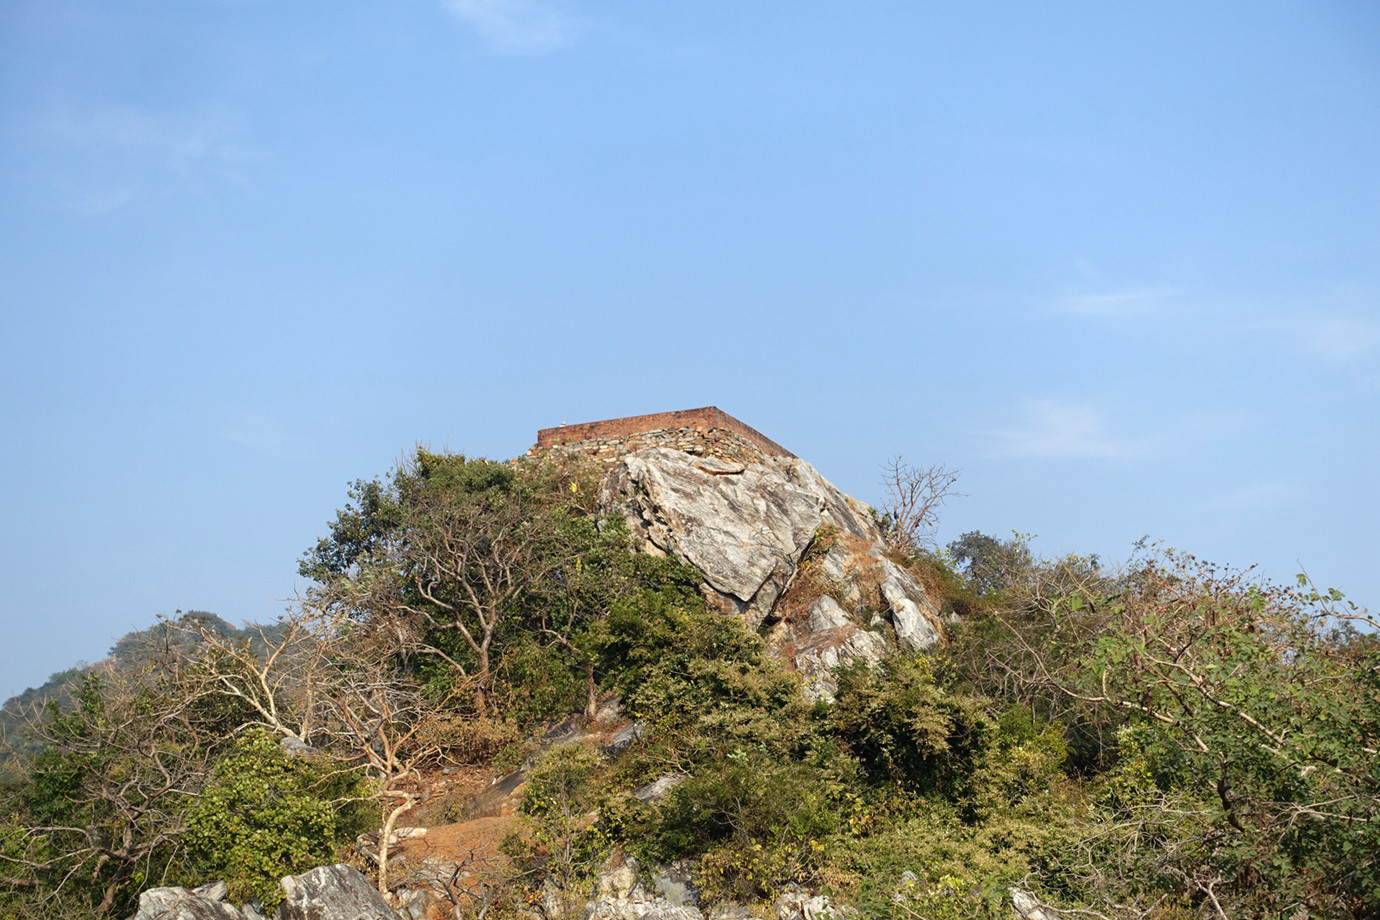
(375, 717)
(914, 496)
(277, 676)
(120, 769)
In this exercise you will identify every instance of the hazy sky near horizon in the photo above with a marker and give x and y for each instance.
(1120, 263)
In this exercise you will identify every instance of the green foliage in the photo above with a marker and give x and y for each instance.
(991, 564)
(755, 821)
(961, 870)
(1167, 741)
(1253, 715)
(905, 729)
(266, 814)
(98, 817)
(1025, 760)
(561, 838)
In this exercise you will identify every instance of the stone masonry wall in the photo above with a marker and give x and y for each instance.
(665, 426)
(605, 451)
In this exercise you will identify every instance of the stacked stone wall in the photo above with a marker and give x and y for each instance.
(606, 451)
(661, 426)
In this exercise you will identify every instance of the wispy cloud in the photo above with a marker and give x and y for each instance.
(1116, 304)
(1054, 430)
(1338, 339)
(1262, 496)
(111, 156)
(260, 433)
(516, 26)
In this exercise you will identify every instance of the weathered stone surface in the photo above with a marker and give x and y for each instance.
(825, 614)
(183, 904)
(743, 527)
(332, 893)
(796, 904)
(914, 616)
(1028, 907)
(746, 528)
(676, 883)
(623, 738)
(635, 909)
(843, 511)
(215, 891)
(656, 790)
(827, 651)
(296, 747)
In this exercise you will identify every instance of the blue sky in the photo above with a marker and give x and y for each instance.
(1120, 263)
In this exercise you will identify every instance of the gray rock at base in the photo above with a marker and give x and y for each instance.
(216, 891)
(727, 910)
(797, 904)
(183, 904)
(676, 883)
(622, 882)
(336, 892)
(1028, 907)
(656, 790)
(622, 895)
(639, 909)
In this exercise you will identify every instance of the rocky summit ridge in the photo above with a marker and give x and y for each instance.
(777, 544)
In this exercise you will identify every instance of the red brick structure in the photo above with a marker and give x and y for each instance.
(709, 430)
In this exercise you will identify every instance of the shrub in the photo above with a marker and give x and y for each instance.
(561, 839)
(757, 823)
(905, 729)
(266, 814)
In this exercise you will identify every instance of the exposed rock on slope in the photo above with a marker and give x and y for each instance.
(336, 892)
(748, 527)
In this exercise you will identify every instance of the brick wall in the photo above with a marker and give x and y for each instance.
(698, 430)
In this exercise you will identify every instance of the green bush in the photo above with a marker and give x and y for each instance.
(266, 814)
(906, 730)
(561, 840)
(756, 823)
(961, 870)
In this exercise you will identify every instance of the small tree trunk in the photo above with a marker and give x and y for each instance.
(591, 694)
(385, 841)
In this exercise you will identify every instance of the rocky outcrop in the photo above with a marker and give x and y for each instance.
(326, 893)
(622, 896)
(204, 903)
(332, 893)
(743, 527)
(748, 527)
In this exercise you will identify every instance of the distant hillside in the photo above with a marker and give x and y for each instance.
(130, 650)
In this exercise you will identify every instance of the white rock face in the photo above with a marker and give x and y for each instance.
(332, 893)
(912, 613)
(184, 904)
(742, 526)
(746, 528)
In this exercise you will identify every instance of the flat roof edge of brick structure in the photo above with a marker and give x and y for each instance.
(701, 419)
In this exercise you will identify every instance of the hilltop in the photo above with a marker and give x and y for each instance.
(660, 666)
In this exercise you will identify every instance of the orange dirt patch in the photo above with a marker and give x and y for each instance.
(478, 839)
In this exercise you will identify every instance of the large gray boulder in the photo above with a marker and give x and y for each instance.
(332, 893)
(185, 904)
(743, 527)
(746, 527)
